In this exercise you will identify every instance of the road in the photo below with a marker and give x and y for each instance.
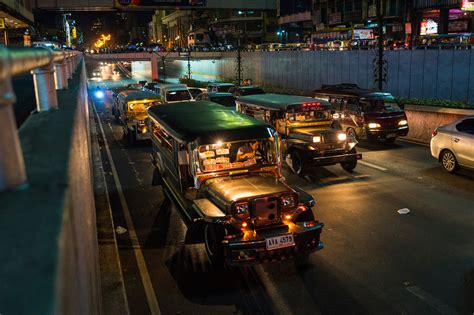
(374, 261)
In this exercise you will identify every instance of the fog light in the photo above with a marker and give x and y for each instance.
(288, 216)
(316, 139)
(244, 224)
(403, 122)
(342, 137)
(374, 125)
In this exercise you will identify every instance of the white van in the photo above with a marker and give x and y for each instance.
(172, 93)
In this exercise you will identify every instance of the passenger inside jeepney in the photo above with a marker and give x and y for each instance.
(248, 151)
(237, 154)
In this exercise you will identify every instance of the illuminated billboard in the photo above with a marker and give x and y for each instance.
(428, 26)
(467, 5)
(158, 3)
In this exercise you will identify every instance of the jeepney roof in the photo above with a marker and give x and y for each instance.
(221, 84)
(279, 101)
(219, 94)
(125, 88)
(206, 122)
(134, 95)
(170, 86)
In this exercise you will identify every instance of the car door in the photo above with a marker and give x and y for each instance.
(463, 142)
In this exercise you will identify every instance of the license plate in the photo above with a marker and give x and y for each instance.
(391, 135)
(280, 241)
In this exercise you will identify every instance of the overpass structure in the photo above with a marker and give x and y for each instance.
(129, 5)
(152, 59)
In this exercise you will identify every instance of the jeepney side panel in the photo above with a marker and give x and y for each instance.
(165, 153)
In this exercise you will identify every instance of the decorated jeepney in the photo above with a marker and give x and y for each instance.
(223, 171)
(131, 109)
(310, 136)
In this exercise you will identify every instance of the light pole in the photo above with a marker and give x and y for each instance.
(380, 62)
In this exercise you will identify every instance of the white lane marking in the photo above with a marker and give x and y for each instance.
(380, 168)
(144, 274)
(109, 210)
(431, 300)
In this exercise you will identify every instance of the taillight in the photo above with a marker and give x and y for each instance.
(434, 133)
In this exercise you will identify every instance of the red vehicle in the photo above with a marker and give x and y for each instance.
(365, 114)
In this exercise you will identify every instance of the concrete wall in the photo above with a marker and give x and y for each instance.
(49, 240)
(424, 119)
(444, 74)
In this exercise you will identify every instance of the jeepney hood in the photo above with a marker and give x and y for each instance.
(230, 189)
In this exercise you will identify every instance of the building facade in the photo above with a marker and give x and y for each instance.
(16, 23)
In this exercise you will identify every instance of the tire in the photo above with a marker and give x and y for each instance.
(390, 140)
(299, 165)
(448, 161)
(351, 134)
(213, 236)
(351, 165)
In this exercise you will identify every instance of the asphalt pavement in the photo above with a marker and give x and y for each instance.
(375, 260)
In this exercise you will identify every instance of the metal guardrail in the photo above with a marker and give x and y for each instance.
(51, 70)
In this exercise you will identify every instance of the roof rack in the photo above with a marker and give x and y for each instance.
(342, 86)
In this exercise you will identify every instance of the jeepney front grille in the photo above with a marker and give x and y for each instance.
(266, 211)
(330, 137)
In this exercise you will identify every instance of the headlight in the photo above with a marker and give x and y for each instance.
(403, 122)
(99, 94)
(374, 125)
(288, 201)
(316, 139)
(242, 210)
(342, 137)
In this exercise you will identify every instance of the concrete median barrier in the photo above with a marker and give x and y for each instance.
(424, 119)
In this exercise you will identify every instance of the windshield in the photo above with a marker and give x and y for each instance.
(227, 101)
(176, 96)
(252, 91)
(224, 88)
(306, 116)
(386, 104)
(237, 155)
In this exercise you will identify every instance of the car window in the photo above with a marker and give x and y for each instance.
(227, 101)
(351, 105)
(466, 126)
(336, 103)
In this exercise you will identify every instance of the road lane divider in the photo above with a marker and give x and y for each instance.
(144, 274)
(380, 168)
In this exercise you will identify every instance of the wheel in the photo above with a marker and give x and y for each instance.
(213, 236)
(390, 140)
(298, 163)
(351, 134)
(351, 165)
(449, 162)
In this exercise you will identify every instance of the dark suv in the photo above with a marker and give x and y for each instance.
(365, 114)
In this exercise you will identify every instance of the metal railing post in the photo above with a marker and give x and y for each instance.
(12, 165)
(45, 88)
(60, 74)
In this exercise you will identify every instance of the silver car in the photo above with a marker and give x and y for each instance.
(453, 144)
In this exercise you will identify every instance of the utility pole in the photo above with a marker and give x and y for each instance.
(189, 64)
(239, 62)
(380, 61)
(163, 60)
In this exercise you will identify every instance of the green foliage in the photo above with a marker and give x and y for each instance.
(193, 83)
(436, 102)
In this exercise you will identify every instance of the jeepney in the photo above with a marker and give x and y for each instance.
(310, 136)
(223, 171)
(132, 108)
